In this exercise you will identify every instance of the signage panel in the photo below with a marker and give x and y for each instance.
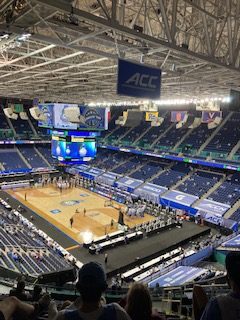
(138, 80)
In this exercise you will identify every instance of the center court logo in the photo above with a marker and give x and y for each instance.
(70, 203)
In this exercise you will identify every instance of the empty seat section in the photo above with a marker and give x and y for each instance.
(236, 215)
(199, 183)
(196, 138)
(226, 138)
(171, 176)
(228, 192)
(11, 160)
(45, 150)
(134, 134)
(153, 134)
(170, 138)
(147, 171)
(33, 158)
(22, 128)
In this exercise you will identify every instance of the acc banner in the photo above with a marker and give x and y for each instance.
(210, 116)
(151, 115)
(138, 80)
(177, 116)
(218, 220)
(213, 207)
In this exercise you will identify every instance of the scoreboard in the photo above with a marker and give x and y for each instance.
(73, 148)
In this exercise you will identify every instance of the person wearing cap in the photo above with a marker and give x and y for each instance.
(91, 285)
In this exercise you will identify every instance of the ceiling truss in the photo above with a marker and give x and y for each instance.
(74, 47)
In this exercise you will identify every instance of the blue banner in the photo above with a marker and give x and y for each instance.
(209, 116)
(213, 207)
(234, 242)
(177, 116)
(220, 221)
(96, 172)
(93, 118)
(78, 169)
(128, 184)
(138, 80)
(180, 197)
(178, 276)
(108, 178)
(150, 191)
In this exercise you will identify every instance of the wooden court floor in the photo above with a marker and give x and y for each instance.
(59, 207)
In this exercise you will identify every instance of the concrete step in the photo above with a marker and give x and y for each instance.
(232, 210)
(41, 156)
(142, 135)
(125, 133)
(23, 158)
(233, 151)
(211, 190)
(184, 179)
(182, 139)
(161, 135)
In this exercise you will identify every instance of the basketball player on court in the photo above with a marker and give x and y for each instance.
(71, 221)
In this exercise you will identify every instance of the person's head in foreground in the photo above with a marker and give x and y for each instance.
(233, 270)
(91, 283)
(139, 303)
(227, 306)
(20, 286)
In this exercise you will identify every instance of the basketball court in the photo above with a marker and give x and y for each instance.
(59, 207)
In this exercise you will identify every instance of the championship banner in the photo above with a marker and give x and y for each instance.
(138, 80)
(151, 115)
(177, 116)
(208, 117)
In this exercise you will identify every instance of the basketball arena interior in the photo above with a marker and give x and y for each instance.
(119, 144)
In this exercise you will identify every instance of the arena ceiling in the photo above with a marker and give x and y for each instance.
(73, 46)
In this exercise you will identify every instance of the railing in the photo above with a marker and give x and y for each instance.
(196, 257)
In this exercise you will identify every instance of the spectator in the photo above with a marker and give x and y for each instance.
(139, 303)
(36, 295)
(12, 307)
(19, 292)
(228, 306)
(91, 285)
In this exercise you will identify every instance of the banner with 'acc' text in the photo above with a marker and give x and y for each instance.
(138, 80)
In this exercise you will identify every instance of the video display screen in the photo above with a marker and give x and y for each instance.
(60, 120)
(47, 110)
(73, 149)
(84, 118)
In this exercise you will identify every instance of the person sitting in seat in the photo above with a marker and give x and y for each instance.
(228, 306)
(91, 285)
(139, 303)
(19, 292)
